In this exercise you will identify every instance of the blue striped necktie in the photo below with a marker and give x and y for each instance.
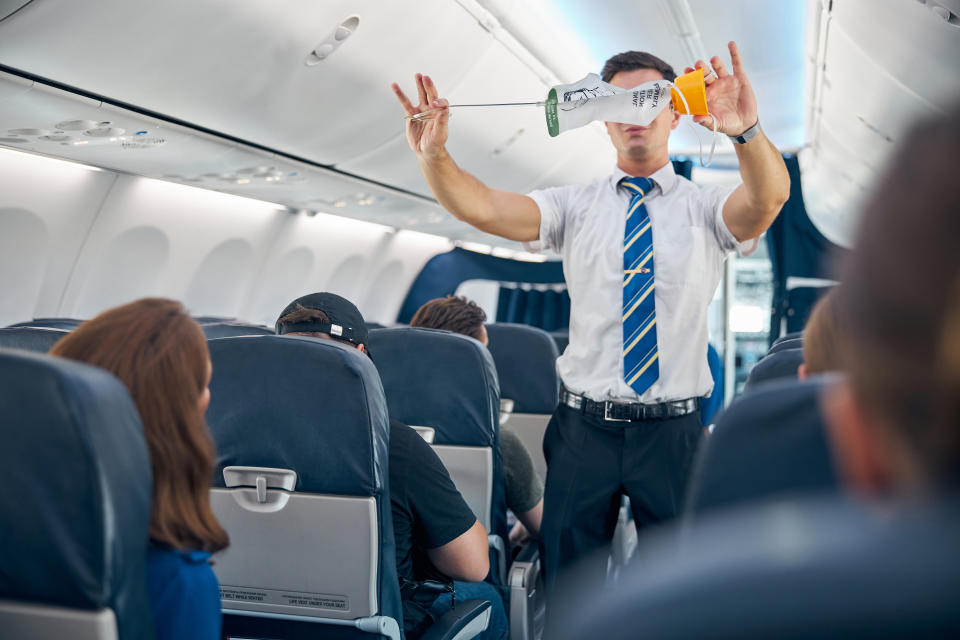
(641, 366)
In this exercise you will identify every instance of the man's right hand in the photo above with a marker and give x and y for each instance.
(427, 122)
(502, 213)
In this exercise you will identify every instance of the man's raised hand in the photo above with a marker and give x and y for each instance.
(427, 121)
(729, 95)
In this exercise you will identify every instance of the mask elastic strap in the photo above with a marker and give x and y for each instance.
(713, 144)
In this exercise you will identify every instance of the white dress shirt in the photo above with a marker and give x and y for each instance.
(585, 225)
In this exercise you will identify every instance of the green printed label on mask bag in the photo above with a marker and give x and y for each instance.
(553, 122)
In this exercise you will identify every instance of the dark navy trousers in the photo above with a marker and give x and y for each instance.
(591, 462)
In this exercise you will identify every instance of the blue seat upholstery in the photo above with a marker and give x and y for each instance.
(788, 336)
(712, 403)
(446, 381)
(806, 569)
(67, 324)
(767, 443)
(775, 366)
(526, 361)
(213, 319)
(562, 338)
(37, 339)
(229, 329)
(75, 500)
(314, 407)
(305, 420)
(783, 345)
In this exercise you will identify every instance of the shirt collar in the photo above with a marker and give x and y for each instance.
(665, 177)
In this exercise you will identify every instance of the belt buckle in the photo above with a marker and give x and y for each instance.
(606, 413)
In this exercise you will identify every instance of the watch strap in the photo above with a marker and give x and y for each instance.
(747, 135)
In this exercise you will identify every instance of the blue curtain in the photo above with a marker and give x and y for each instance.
(797, 249)
(683, 167)
(443, 274)
(549, 310)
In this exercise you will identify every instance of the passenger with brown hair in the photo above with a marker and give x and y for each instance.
(524, 488)
(160, 354)
(895, 423)
(822, 338)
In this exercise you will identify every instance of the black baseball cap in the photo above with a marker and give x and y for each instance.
(346, 322)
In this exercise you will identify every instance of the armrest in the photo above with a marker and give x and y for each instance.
(466, 620)
(527, 605)
(529, 550)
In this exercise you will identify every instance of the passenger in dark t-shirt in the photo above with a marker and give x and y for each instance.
(428, 511)
(430, 517)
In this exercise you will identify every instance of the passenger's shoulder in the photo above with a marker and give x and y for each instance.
(181, 567)
(400, 432)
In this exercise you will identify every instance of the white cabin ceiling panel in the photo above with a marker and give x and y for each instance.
(886, 63)
(590, 156)
(159, 238)
(863, 102)
(46, 209)
(905, 40)
(238, 67)
(329, 253)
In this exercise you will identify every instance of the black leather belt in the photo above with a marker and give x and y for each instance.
(628, 411)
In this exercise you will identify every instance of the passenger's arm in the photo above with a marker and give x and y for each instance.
(509, 215)
(465, 557)
(754, 205)
(528, 524)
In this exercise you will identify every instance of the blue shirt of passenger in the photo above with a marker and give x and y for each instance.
(184, 594)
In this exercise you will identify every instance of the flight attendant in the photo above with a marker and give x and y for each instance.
(643, 251)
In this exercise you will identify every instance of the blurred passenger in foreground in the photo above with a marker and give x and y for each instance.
(823, 337)
(883, 561)
(524, 487)
(160, 354)
(895, 423)
(438, 538)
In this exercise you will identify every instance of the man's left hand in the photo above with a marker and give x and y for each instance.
(730, 97)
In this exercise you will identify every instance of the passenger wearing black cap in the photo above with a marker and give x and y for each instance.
(437, 535)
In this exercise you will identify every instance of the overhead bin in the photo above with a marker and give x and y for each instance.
(42, 119)
(877, 76)
(239, 68)
(507, 147)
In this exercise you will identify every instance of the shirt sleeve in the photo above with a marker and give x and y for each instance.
(523, 485)
(553, 208)
(713, 198)
(439, 511)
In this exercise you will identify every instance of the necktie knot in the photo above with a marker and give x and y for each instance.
(637, 185)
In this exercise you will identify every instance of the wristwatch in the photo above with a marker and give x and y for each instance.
(747, 135)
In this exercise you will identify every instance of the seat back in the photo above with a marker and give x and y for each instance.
(448, 381)
(788, 336)
(526, 360)
(74, 505)
(67, 324)
(823, 568)
(229, 329)
(302, 437)
(783, 345)
(767, 443)
(37, 339)
(562, 338)
(775, 366)
(213, 319)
